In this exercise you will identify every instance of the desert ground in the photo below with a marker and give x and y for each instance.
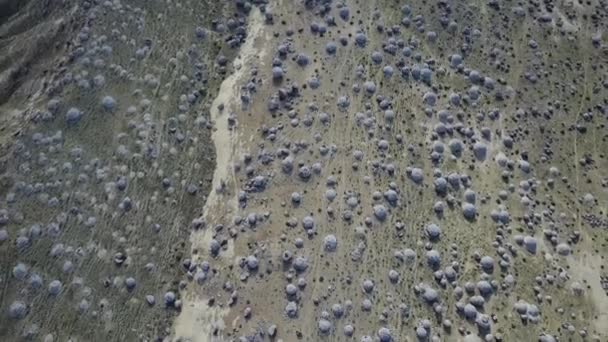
(303, 170)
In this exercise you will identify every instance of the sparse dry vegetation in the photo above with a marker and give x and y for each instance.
(309, 170)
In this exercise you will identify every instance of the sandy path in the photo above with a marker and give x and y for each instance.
(197, 320)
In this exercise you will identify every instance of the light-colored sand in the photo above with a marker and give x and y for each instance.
(585, 268)
(197, 320)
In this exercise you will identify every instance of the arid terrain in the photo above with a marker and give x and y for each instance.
(303, 170)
